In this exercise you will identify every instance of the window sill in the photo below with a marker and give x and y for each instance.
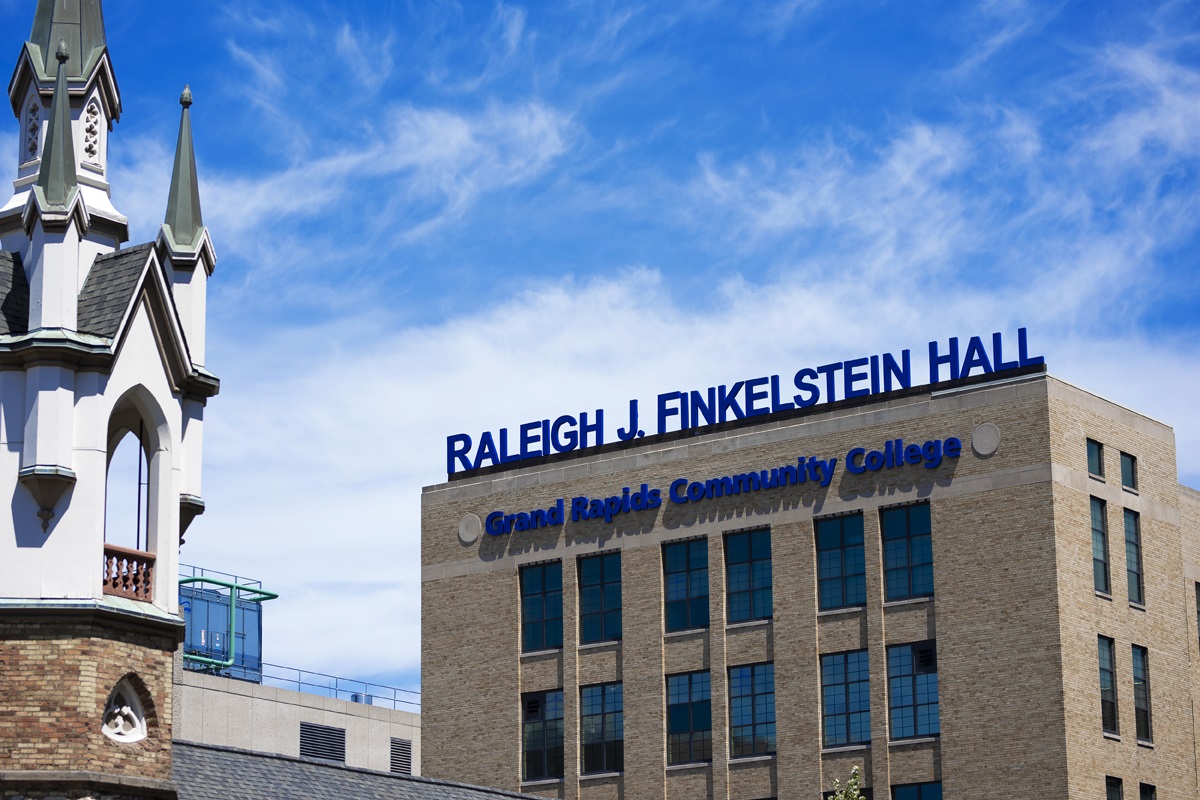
(845, 748)
(1136, 606)
(539, 653)
(1096, 477)
(1129, 490)
(733, 762)
(600, 645)
(914, 740)
(1115, 737)
(750, 623)
(909, 601)
(689, 765)
(838, 612)
(686, 632)
(546, 782)
(1104, 595)
(596, 776)
(1146, 743)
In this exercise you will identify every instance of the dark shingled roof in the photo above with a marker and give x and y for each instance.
(109, 288)
(204, 772)
(14, 295)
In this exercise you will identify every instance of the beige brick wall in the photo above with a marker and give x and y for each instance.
(1014, 614)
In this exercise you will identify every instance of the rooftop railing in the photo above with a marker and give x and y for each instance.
(319, 683)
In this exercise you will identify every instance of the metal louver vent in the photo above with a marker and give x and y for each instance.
(402, 756)
(322, 741)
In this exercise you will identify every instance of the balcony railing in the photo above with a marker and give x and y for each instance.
(128, 573)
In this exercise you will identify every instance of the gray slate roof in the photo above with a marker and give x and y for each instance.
(204, 772)
(14, 295)
(109, 288)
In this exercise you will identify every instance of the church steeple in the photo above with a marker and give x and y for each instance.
(79, 23)
(56, 177)
(183, 218)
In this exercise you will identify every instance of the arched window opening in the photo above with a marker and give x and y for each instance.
(127, 494)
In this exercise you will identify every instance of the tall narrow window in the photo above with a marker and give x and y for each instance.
(1133, 558)
(685, 573)
(752, 710)
(542, 735)
(1095, 455)
(907, 552)
(1147, 792)
(840, 565)
(913, 690)
(846, 698)
(1113, 789)
(689, 718)
(748, 575)
(1141, 693)
(1128, 471)
(541, 607)
(1108, 686)
(1100, 547)
(602, 723)
(600, 598)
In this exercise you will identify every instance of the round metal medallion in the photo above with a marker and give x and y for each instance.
(986, 439)
(469, 529)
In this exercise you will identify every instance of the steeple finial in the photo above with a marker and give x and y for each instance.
(57, 174)
(183, 202)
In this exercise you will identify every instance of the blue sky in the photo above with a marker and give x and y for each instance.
(441, 217)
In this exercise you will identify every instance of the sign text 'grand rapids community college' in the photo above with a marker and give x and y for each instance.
(684, 410)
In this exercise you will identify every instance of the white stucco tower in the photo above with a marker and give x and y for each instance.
(97, 340)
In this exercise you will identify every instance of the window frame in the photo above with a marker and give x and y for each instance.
(914, 690)
(847, 697)
(1098, 463)
(1142, 705)
(608, 614)
(1100, 555)
(1147, 791)
(611, 718)
(761, 709)
(851, 567)
(756, 594)
(1111, 784)
(1134, 572)
(910, 567)
(1107, 650)
(690, 571)
(546, 595)
(699, 705)
(550, 763)
(1129, 477)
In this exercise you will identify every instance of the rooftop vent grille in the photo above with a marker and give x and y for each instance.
(402, 756)
(322, 741)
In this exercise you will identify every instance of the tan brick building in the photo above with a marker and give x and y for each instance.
(1018, 620)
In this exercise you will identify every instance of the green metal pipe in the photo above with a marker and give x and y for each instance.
(235, 589)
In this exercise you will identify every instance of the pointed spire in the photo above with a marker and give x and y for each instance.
(79, 22)
(57, 174)
(183, 203)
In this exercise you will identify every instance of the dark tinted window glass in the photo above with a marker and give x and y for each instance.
(541, 607)
(748, 575)
(685, 579)
(1128, 471)
(752, 710)
(1133, 558)
(907, 552)
(1095, 455)
(689, 718)
(602, 728)
(1141, 693)
(913, 690)
(918, 791)
(1100, 547)
(845, 698)
(600, 598)
(1113, 789)
(542, 735)
(841, 569)
(1108, 686)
